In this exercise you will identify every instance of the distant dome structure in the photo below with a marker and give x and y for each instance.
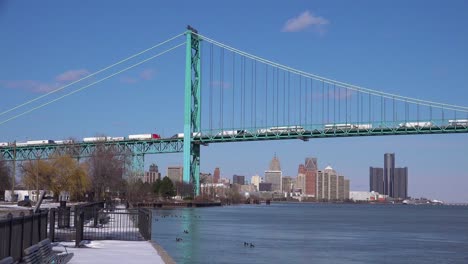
(275, 164)
(328, 168)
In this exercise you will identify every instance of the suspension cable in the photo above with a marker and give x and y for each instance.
(93, 83)
(92, 74)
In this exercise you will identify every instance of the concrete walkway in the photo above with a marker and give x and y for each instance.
(115, 251)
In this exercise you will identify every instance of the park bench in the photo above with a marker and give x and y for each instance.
(43, 253)
(7, 260)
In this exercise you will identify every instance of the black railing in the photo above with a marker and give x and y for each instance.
(145, 221)
(99, 222)
(18, 233)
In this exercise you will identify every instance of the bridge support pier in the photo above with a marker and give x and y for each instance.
(138, 166)
(192, 112)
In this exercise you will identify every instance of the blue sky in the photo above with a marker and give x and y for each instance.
(411, 48)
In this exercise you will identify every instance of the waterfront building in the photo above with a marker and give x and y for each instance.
(256, 180)
(341, 194)
(310, 176)
(400, 190)
(175, 173)
(389, 166)
(390, 180)
(376, 182)
(346, 189)
(301, 169)
(330, 186)
(274, 175)
(265, 187)
(152, 175)
(288, 184)
(216, 175)
(238, 179)
(300, 182)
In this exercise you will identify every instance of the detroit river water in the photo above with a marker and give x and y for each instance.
(314, 233)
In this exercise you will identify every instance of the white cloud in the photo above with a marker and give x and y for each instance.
(303, 21)
(45, 87)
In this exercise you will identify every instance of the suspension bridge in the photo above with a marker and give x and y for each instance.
(234, 96)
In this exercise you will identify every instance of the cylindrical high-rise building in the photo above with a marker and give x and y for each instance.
(389, 168)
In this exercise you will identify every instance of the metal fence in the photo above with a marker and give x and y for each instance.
(99, 222)
(18, 233)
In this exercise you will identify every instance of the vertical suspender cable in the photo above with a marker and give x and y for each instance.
(222, 89)
(273, 97)
(328, 103)
(289, 96)
(311, 103)
(277, 96)
(211, 88)
(306, 98)
(334, 104)
(252, 94)
(233, 86)
(284, 97)
(300, 100)
(323, 103)
(266, 95)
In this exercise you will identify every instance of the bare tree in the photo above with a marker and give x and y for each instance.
(5, 178)
(107, 167)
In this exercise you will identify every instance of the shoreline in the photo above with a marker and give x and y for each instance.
(162, 252)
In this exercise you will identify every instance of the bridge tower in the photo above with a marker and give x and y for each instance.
(192, 112)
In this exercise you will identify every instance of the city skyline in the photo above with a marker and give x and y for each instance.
(410, 51)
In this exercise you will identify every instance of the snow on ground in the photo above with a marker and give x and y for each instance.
(115, 251)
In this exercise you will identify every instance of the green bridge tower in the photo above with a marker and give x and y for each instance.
(192, 111)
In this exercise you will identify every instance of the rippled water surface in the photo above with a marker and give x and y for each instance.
(314, 233)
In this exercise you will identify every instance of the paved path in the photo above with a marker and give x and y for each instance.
(115, 251)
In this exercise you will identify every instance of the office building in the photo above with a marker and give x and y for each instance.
(310, 176)
(153, 174)
(376, 182)
(238, 179)
(288, 184)
(341, 188)
(216, 175)
(330, 186)
(256, 180)
(274, 175)
(175, 173)
(346, 189)
(389, 166)
(390, 180)
(265, 187)
(300, 182)
(400, 183)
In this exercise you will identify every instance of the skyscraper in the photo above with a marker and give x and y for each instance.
(310, 176)
(330, 186)
(389, 166)
(238, 179)
(400, 183)
(153, 174)
(389, 181)
(376, 182)
(175, 173)
(256, 180)
(216, 175)
(274, 175)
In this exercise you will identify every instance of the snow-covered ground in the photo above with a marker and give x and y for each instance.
(115, 251)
